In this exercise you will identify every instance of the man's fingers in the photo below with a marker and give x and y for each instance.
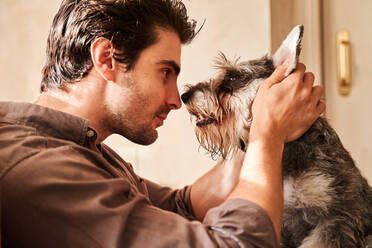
(317, 93)
(300, 68)
(277, 76)
(308, 79)
(320, 107)
(298, 76)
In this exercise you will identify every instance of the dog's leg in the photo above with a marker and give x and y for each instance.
(315, 239)
(369, 242)
(335, 233)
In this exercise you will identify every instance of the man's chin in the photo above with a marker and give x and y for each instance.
(145, 138)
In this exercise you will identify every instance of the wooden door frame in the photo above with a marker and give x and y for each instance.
(285, 14)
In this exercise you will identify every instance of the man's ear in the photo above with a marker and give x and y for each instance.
(102, 57)
(289, 50)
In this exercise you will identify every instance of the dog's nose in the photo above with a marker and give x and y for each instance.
(186, 96)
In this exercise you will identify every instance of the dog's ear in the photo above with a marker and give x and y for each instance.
(289, 50)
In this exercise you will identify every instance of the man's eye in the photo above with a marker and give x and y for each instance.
(166, 72)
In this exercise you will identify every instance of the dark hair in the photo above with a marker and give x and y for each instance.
(129, 24)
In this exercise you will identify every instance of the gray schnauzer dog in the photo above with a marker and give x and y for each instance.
(327, 203)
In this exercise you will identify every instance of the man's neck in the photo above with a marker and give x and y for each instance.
(77, 103)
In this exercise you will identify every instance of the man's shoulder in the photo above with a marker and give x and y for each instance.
(19, 141)
(26, 147)
(63, 167)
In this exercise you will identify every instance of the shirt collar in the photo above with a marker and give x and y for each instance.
(48, 121)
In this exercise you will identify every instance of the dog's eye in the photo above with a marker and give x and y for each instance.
(231, 76)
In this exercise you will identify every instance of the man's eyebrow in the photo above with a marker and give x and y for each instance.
(171, 63)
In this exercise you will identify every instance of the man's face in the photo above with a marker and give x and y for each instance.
(143, 96)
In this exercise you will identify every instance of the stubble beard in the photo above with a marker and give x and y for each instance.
(132, 123)
(132, 119)
(138, 128)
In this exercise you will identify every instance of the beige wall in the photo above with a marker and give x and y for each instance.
(285, 14)
(24, 27)
(238, 28)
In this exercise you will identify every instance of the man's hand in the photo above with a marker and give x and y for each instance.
(285, 108)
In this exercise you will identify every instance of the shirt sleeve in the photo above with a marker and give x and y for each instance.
(64, 200)
(177, 201)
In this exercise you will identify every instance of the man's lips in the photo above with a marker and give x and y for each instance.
(161, 115)
(161, 119)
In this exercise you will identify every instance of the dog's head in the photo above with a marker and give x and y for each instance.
(221, 106)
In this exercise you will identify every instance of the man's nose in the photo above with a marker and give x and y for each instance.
(174, 98)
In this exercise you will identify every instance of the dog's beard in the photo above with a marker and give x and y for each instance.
(211, 139)
(219, 138)
(231, 125)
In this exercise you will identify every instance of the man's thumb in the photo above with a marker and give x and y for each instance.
(277, 76)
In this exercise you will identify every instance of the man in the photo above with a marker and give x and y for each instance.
(112, 67)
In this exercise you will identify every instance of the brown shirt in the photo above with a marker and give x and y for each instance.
(60, 190)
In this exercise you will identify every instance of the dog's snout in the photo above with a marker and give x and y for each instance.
(186, 96)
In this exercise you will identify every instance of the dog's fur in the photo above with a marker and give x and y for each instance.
(327, 203)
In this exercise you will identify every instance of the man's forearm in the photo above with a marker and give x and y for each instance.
(261, 179)
(216, 185)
